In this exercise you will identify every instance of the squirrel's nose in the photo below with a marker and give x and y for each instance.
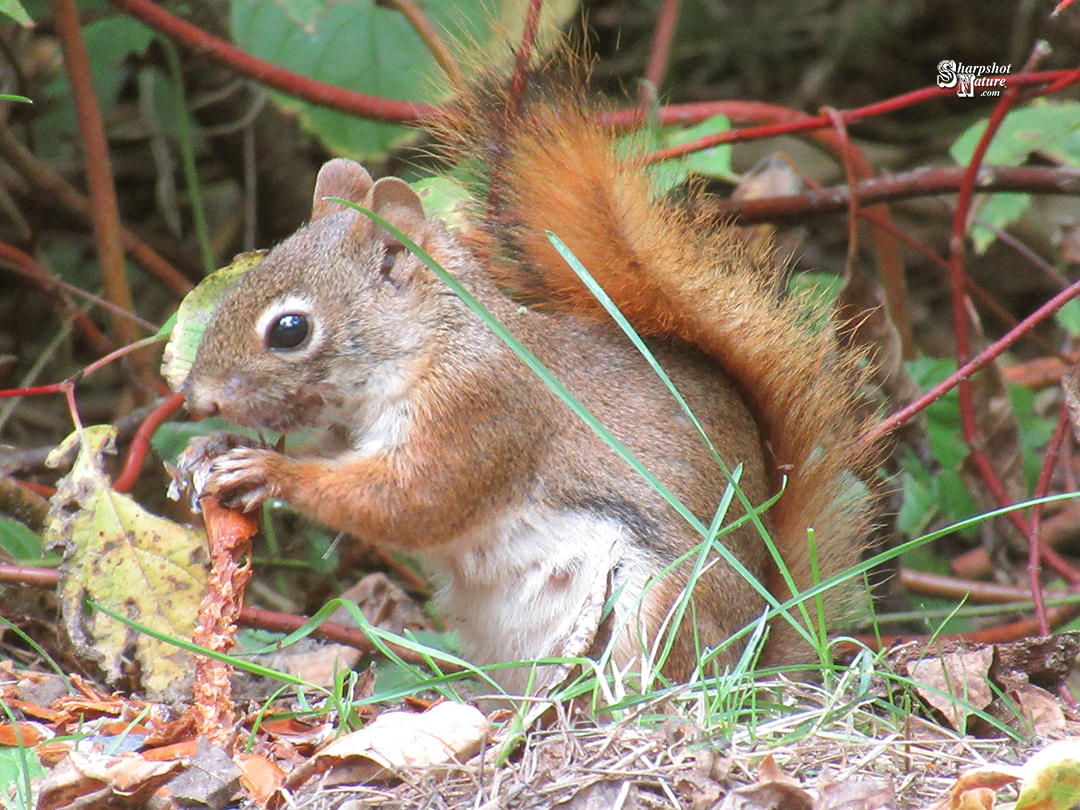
(199, 406)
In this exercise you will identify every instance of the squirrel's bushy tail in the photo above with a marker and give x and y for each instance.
(550, 166)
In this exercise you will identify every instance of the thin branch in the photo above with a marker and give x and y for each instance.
(660, 51)
(52, 186)
(1036, 543)
(924, 182)
(972, 590)
(426, 30)
(961, 313)
(524, 56)
(22, 504)
(57, 289)
(98, 165)
(973, 288)
(140, 442)
(24, 264)
(849, 159)
(986, 356)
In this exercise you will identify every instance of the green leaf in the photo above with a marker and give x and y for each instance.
(18, 766)
(109, 42)
(1035, 128)
(712, 162)
(368, 47)
(15, 10)
(999, 211)
(1051, 778)
(304, 12)
(19, 541)
(1065, 150)
(1069, 316)
(1049, 128)
(944, 431)
(444, 199)
(171, 438)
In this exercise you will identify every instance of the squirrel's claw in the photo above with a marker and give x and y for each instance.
(243, 477)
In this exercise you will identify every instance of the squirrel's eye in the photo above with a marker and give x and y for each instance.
(288, 332)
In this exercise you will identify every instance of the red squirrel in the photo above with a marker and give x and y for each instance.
(439, 441)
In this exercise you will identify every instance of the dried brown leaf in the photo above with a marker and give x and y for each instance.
(100, 780)
(976, 789)
(955, 683)
(261, 777)
(446, 733)
(768, 796)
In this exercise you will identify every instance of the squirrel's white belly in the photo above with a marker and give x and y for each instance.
(515, 590)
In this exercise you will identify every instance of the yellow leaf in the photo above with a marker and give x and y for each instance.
(128, 560)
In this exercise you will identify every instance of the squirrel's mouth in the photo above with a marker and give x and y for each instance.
(261, 407)
(280, 414)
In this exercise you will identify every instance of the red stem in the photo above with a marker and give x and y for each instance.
(381, 109)
(524, 56)
(37, 390)
(961, 304)
(312, 90)
(25, 265)
(140, 442)
(922, 182)
(660, 52)
(848, 159)
(973, 288)
(792, 121)
(1036, 546)
(987, 355)
(98, 166)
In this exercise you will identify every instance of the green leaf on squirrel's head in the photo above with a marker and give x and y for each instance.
(194, 315)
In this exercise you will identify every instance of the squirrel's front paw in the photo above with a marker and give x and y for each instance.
(245, 477)
(231, 468)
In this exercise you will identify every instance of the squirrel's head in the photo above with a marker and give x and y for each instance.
(332, 317)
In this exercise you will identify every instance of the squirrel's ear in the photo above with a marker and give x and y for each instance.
(342, 178)
(396, 202)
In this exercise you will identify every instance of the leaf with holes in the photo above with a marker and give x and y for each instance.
(127, 560)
